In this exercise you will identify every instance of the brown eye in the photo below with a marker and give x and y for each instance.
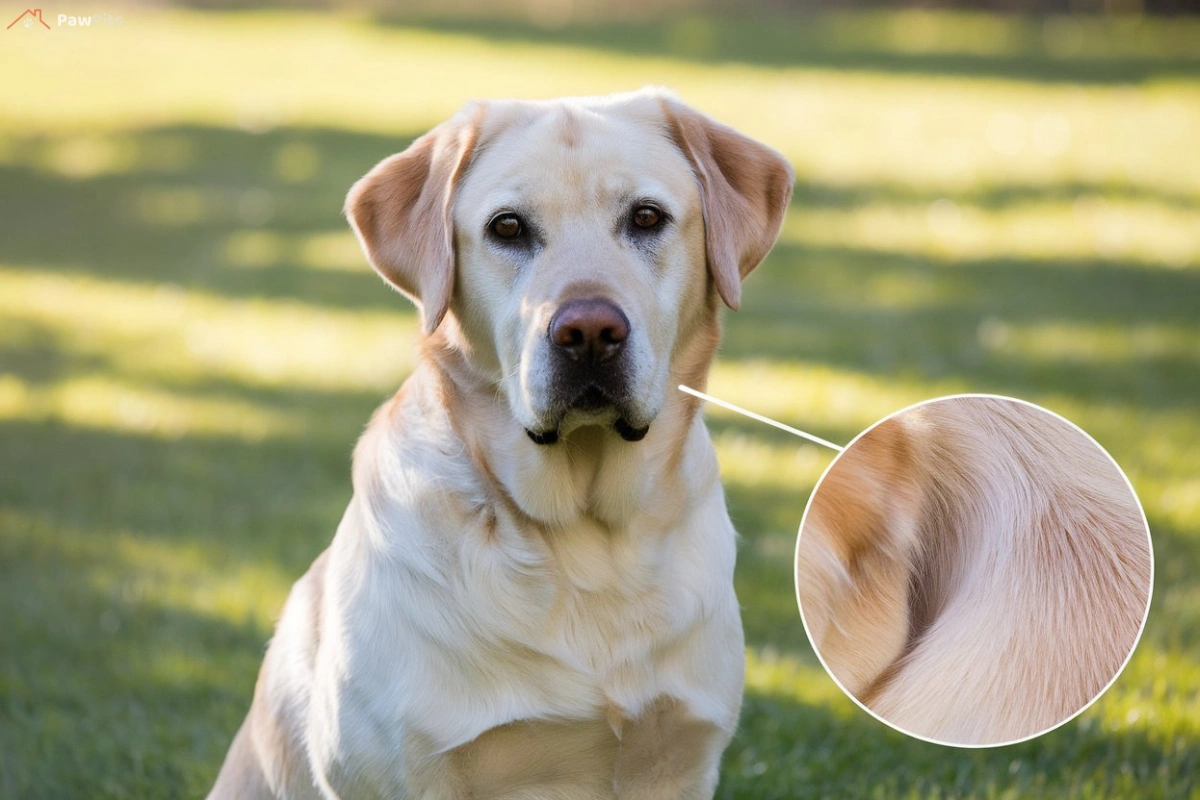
(507, 226)
(646, 216)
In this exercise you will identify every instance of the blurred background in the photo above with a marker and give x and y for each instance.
(1003, 198)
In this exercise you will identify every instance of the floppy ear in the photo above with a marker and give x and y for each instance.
(745, 188)
(401, 212)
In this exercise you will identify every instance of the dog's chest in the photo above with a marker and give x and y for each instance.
(611, 597)
(593, 626)
(583, 617)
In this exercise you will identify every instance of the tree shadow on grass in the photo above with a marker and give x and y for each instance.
(988, 197)
(212, 209)
(274, 501)
(1020, 49)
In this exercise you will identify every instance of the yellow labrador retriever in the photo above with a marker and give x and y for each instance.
(530, 595)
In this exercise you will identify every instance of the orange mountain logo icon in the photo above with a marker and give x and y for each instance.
(30, 17)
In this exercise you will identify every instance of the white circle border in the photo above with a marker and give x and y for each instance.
(976, 395)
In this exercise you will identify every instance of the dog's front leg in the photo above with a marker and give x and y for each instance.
(375, 763)
(668, 753)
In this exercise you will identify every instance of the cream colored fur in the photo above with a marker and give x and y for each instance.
(495, 618)
(974, 570)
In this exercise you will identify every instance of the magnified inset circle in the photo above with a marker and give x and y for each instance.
(974, 570)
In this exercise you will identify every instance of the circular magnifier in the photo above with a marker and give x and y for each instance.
(974, 570)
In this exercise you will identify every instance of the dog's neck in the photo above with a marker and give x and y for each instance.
(591, 473)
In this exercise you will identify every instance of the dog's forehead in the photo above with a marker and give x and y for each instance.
(575, 149)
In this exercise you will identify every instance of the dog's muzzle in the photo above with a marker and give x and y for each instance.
(587, 339)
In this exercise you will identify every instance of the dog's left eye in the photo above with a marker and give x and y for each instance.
(647, 217)
(507, 226)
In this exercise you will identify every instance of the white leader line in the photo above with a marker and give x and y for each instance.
(738, 409)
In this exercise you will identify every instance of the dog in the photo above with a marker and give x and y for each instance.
(530, 594)
(974, 571)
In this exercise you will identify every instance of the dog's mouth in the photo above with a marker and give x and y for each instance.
(592, 398)
(591, 403)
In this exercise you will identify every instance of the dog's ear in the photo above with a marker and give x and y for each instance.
(401, 212)
(745, 188)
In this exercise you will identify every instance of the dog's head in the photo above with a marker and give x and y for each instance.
(571, 247)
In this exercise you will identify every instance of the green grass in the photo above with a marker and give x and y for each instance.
(190, 344)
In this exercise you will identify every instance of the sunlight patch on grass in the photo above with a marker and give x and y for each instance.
(179, 668)
(953, 136)
(254, 249)
(180, 206)
(1112, 344)
(1152, 697)
(813, 397)
(780, 546)
(133, 569)
(257, 248)
(166, 332)
(200, 580)
(83, 156)
(1178, 503)
(965, 33)
(784, 676)
(751, 461)
(1148, 232)
(98, 401)
(339, 252)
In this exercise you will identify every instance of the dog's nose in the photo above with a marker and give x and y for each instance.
(589, 330)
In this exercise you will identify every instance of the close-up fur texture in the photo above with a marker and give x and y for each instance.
(974, 570)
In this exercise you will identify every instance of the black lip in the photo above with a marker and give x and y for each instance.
(545, 437)
(628, 432)
(621, 426)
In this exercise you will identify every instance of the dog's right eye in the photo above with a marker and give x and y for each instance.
(506, 226)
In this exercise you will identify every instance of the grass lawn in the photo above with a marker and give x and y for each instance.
(190, 343)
